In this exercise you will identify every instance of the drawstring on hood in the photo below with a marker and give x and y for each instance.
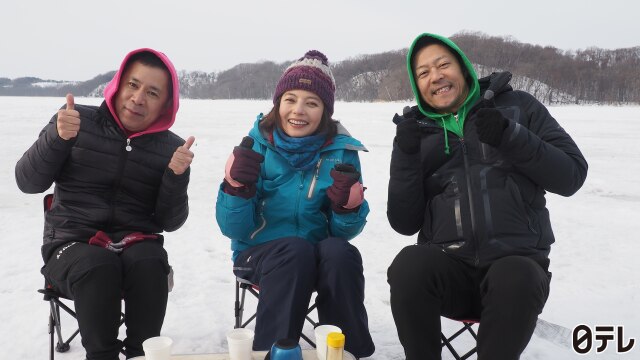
(447, 120)
(166, 120)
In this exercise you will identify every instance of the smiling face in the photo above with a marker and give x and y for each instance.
(439, 78)
(300, 112)
(143, 95)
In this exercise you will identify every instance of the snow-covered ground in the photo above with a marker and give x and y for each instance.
(594, 261)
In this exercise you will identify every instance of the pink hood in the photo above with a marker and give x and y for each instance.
(165, 121)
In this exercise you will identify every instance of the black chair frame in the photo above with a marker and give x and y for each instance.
(467, 326)
(242, 286)
(55, 324)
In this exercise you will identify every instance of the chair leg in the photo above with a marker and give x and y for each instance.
(313, 323)
(253, 291)
(238, 306)
(51, 336)
(55, 324)
(61, 346)
(241, 291)
(446, 341)
(469, 327)
(469, 354)
(249, 320)
(309, 319)
(309, 341)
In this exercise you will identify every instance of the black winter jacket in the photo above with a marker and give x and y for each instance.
(482, 203)
(99, 185)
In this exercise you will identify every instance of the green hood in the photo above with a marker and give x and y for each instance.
(447, 121)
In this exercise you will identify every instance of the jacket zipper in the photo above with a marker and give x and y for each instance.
(116, 185)
(472, 214)
(483, 146)
(264, 222)
(457, 212)
(314, 179)
(297, 208)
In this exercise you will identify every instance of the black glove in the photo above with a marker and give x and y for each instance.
(346, 193)
(407, 132)
(490, 125)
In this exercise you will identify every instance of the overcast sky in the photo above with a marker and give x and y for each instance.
(79, 39)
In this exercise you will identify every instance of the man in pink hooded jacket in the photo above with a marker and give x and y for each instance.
(120, 179)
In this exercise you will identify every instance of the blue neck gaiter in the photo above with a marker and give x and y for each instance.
(301, 152)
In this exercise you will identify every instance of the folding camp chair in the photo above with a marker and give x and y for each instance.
(56, 303)
(242, 286)
(467, 327)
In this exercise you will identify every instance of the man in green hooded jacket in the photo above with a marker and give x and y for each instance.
(469, 170)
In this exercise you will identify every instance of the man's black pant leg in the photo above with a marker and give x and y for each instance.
(145, 292)
(514, 291)
(425, 284)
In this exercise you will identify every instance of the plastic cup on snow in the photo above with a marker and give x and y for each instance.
(157, 348)
(240, 343)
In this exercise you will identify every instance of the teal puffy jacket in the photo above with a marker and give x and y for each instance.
(291, 203)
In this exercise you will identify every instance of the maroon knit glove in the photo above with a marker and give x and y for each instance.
(242, 170)
(103, 240)
(131, 239)
(346, 193)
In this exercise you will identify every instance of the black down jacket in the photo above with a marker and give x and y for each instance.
(100, 185)
(481, 203)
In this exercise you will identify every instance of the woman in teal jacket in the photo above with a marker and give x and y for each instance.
(291, 199)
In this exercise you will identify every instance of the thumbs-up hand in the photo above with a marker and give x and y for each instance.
(68, 124)
(243, 170)
(243, 166)
(182, 157)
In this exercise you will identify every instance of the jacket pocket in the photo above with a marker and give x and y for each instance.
(510, 219)
(446, 214)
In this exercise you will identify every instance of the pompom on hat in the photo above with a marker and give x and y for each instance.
(312, 73)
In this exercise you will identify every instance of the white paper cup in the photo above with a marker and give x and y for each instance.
(240, 343)
(321, 333)
(157, 348)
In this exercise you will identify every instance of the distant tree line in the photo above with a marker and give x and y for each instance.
(28, 86)
(592, 75)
